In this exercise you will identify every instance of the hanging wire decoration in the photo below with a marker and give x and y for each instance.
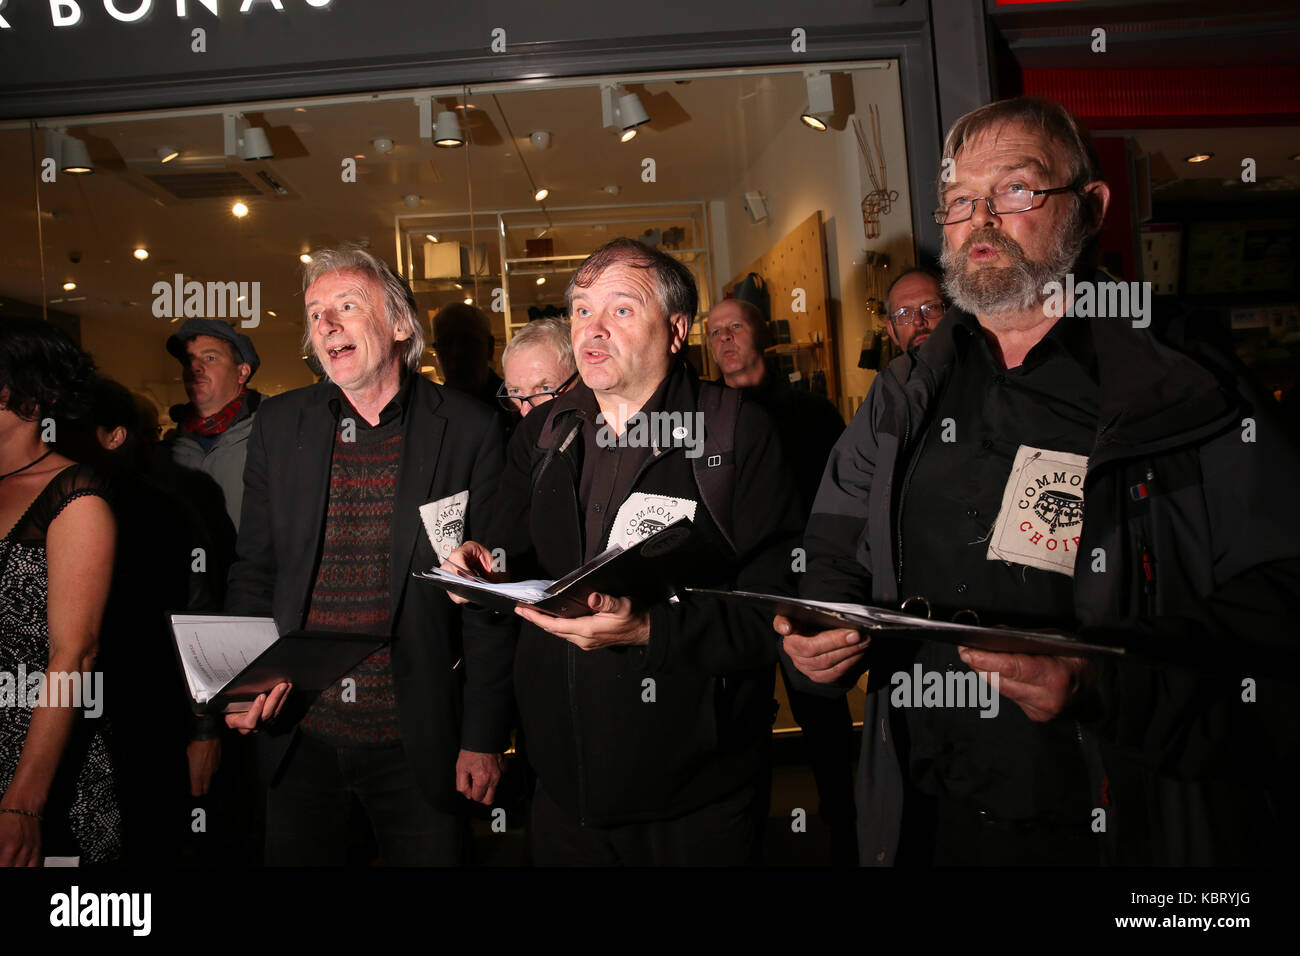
(879, 201)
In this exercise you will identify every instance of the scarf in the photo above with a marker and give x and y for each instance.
(218, 421)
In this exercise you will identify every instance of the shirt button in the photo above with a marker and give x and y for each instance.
(972, 513)
(961, 589)
(597, 507)
(999, 379)
(986, 444)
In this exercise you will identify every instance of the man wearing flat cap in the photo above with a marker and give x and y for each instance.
(213, 428)
(206, 467)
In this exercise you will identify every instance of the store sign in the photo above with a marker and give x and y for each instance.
(69, 13)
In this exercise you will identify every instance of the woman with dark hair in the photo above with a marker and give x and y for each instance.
(56, 562)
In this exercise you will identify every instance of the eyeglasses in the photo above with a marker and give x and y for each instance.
(931, 312)
(1004, 203)
(510, 401)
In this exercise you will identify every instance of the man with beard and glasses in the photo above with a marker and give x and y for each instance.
(913, 306)
(1087, 475)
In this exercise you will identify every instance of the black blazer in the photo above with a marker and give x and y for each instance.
(449, 695)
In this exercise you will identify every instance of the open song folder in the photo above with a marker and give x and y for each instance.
(639, 572)
(813, 616)
(229, 661)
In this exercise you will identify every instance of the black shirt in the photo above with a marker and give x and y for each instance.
(340, 404)
(609, 466)
(1007, 765)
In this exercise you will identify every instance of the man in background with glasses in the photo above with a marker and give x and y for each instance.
(914, 306)
(1095, 475)
(539, 365)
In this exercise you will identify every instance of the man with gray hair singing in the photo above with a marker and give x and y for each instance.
(339, 476)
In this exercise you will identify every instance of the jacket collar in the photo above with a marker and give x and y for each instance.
(678, 392)
(1152, 396)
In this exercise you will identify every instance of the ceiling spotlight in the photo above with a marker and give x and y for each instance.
(631, 112)
(1198, 157)
(541, 193)
(75, 156)
(431, 236)
(821, 101)
(166, 154)
(621, 110)
(69, 286)
(270, 313)
(469, 301)
(447, 132)
(255, 145)
(540, 138)
(412, 201)
(628, 136)
(141, 253)
(541, 280)
(239, 210)
(613, 189)
(305, 258)
(245, 141)
(382, 144)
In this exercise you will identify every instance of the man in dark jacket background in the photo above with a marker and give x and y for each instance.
(1076, 472)
(648, 726)
(808, 427)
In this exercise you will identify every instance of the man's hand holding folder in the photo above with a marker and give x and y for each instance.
(823, 657)
(263, 710)
(1043, 687)
(613, 621)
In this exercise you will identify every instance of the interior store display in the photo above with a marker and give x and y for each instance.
(880, 200)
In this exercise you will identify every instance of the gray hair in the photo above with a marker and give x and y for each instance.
(1036, 113)
(399, 301)
(553, 333)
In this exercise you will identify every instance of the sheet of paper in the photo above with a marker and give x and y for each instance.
(530, 592)
(215, 649)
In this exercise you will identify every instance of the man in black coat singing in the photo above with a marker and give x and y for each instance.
(340, 478)
(648, 725)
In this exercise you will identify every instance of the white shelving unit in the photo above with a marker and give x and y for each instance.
(575, 232)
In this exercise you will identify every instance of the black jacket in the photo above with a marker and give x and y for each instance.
(1188, 771)
(604, 752)
(451, 694)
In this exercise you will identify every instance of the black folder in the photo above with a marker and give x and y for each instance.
(813, 616)
(310, 660)
(642, 572)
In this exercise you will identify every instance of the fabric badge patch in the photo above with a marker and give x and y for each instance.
(444, 522)
(1042, 511)
(641, 515)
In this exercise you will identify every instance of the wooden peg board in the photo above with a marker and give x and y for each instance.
(799, 262)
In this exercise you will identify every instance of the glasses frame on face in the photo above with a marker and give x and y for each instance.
(507, 400)
(935, 309)
(942, 218)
